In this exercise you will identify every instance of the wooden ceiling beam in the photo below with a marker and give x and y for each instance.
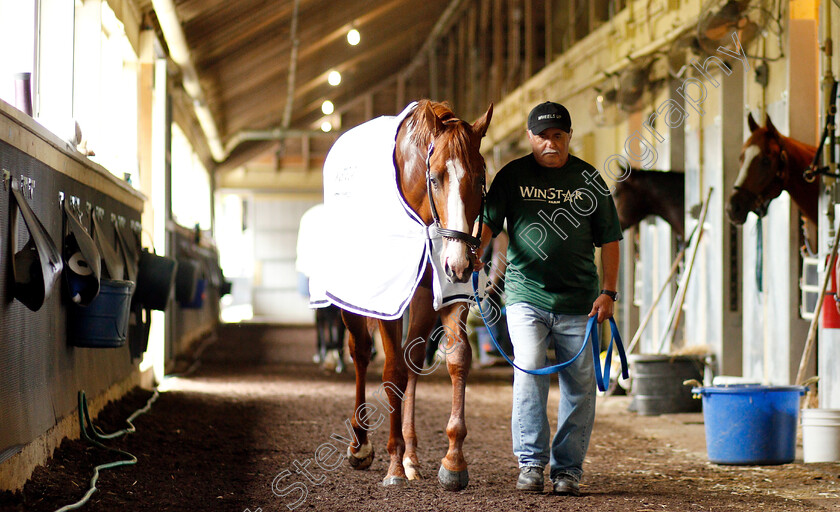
(249, 105)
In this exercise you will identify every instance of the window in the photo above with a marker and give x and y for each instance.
(190, 184)
(17, 40)
(105, 87)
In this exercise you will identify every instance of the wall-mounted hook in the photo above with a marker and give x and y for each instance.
(61, 198)
(76, 206)
(22, 183)
(31, 187)
(7, 178)
(100, 212)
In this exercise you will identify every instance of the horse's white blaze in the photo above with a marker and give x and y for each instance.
(456, 217)
(749, 155)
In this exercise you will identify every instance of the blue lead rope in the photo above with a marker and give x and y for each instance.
(601, 379)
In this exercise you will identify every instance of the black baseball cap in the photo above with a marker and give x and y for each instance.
(549, 115)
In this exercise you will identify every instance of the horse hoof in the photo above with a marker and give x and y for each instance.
(453, 480)
(394, 481)
(361, 459)
(412, 471)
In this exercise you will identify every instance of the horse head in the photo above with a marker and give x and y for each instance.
(442, 177)
(764, 171)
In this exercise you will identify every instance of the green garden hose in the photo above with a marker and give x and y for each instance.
(95, 436)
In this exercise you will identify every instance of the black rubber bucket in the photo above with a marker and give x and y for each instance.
(103, 323)
(187, 280)
(155, 280)
(658, 383)
(139, 325)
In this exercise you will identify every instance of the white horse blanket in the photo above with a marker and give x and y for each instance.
(375, 246)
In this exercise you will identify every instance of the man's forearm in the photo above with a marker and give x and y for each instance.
(610, 260)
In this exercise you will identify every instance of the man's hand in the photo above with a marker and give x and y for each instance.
(603, 307)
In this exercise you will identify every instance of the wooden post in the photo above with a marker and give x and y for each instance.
(369, 106)
(528, 68)
(433, 73)
(549, 32)
(484, 44)
(462, 76)
(473, 64)
(400, 103)
(305, 152)
(450, 78)
(514, 43)
(498, 51)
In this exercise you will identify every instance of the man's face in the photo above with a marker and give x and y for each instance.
(551, 147)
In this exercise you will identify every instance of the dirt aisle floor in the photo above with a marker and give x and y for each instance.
(257, 406)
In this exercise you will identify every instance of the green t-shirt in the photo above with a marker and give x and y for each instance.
(555, 219)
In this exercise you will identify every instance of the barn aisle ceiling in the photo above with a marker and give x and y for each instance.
(242, 49)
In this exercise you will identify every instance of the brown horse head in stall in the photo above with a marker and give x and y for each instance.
(652, 192)
(771, 163)
(441, 177)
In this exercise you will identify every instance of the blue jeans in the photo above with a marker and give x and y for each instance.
(531, 330)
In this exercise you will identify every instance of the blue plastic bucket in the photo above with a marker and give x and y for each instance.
(751, 424)
(198, 300)
(103, 323)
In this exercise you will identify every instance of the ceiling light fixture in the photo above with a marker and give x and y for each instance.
(326, 126)
(327, 107)
(353, 37)
(334, 78)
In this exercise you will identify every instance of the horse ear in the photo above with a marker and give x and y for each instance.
(480, 126)
(769, 124)
(751, 122)
(430, 120)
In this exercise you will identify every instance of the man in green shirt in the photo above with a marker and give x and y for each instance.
(557, 209)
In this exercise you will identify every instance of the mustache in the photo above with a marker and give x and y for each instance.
(550, 152)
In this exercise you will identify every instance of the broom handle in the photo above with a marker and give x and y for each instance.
(638, 335)
(812, 330)
(681, 291)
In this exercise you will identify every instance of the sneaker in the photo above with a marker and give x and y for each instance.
(566, 485)
(530, 479)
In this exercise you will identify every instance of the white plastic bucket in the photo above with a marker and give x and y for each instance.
(821, 435)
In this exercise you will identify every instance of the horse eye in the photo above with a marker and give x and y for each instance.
(435, 182)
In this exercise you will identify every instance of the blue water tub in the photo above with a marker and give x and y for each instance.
(750, 423)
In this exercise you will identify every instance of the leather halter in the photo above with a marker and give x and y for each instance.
(759, 203)
(471, 241)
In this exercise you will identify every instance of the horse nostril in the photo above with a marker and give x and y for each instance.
(446, 268)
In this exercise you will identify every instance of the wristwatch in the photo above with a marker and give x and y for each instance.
(611, 294)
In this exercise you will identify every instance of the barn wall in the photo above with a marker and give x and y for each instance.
(40, 373)
(828, 345)
(759, 335)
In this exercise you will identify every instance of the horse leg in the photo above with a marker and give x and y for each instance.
(394, 379)
(453, 474)
(421, 319)
(359, 456)
(339, 336)
(319, 339)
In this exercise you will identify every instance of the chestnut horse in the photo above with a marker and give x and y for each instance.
(651, 192)
(770, 163)
(443, 185)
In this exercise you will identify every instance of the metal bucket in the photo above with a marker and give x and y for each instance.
(658, 383)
